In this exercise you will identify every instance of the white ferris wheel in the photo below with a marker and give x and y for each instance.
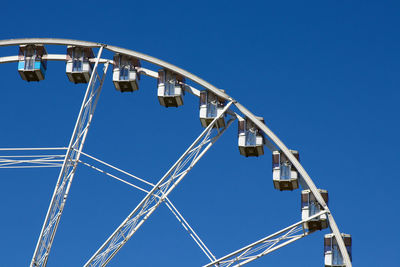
(86, 64)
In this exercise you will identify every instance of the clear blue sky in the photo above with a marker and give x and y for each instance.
(323, 74)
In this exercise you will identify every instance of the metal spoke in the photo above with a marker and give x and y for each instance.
(113, 176)
(168, 203)
(266, 245)
(159, 192)
(189, 229)
(117, 169)
(31, 161)
(68, 169)
(156, 196)
(8, 159)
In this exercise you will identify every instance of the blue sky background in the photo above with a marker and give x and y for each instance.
(323, 74)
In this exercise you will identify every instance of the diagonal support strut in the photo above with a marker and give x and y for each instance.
(158, 194)
(265, 245)
(69, 165)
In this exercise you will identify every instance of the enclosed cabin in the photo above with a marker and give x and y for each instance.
(125, 75)
(284, 174)
(79, 68)
(333, 256)
(170, 88)
(310, 207)
(211, 106)
(31, 65)
(250, 138)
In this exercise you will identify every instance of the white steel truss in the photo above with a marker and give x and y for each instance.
(167, 201)
(265, 245)
(159, 192)
(273, 144)
(69, 165)
(40, 159)
(111, 167)
(113, 176)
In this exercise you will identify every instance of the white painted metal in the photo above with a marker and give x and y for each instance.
(31, 65)
(303, 174)
(333, 257)
(9, 59)
(78, 67)
(190, 230)
(157, 195)
(53, 57)
(31, 161)
(125, 76)
(211, 106)
(168, 203)
(285, 177)
(32, 149)
(250, 140)
(67, 172)
(117, 169)
(38, 158)
(170, 89)
(266, 245)
(113, 176)
(310, 207)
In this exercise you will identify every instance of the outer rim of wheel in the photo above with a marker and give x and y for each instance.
(215, 90)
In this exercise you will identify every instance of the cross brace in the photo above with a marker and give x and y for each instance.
(158, 194)
(69, 165)
(265, 245)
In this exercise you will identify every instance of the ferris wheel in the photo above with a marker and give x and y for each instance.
(86, 64)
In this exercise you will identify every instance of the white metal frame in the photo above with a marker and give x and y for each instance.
(158, 194)
(167, 201)
(273, 139)
(69, 165)
(265, 245)
(37, 160)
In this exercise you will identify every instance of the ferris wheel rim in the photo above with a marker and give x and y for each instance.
(220, 93)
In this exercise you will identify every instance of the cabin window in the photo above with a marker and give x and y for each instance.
(337, 258)
(211, 106)
(124, 73)
(170, 85)
(77, 60)
(314, 208)
(251, 137)
(285, 171)
(30, 58)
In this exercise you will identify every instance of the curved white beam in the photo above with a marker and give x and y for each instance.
(215, 90)
(50, 41)
(116, 49)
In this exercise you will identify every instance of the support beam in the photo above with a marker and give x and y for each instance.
(68, 169)
(265, 245)
(167, 202)
(158, 194)
(113, 176)
(306, 178)
(215, 90)
(31, 161)
(31, 158)
(190, 230)
(117, 169)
